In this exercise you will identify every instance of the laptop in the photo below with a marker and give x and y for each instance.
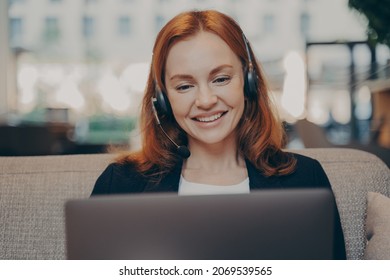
(268, 224)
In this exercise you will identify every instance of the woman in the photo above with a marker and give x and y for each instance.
(206, 96)
(201, 62)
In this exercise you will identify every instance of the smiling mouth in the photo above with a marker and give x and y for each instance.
(210, 118)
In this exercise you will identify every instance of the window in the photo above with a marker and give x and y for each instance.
(88, 27)
(269, 23)
(11, 2)
(90, 1)
(159, 22)
(16, 31)
(52, 29)
(305, 24)
(124, 26)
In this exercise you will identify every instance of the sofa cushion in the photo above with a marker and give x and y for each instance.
(377, 227)
(33, 191)
(352, 173)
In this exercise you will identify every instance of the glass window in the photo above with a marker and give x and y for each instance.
(305, 23)
(11, 2)
(269, 23)
(88, 27)
(51, 29)
(160, 20)
(124, 26)
(16, 31)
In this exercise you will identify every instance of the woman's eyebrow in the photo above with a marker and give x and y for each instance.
(212, 72)
(181, 77)
(219, 68)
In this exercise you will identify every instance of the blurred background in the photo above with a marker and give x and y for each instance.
(72, 72)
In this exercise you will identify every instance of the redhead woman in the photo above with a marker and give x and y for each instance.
(207, 122)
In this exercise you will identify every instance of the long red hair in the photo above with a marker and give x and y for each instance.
(259, 133)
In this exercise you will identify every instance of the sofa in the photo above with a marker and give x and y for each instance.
(33, 190)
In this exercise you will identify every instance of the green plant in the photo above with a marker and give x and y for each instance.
(377, 13)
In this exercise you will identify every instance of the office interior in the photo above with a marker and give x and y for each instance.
(72, 73)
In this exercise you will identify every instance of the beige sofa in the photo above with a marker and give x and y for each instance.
(33, 191)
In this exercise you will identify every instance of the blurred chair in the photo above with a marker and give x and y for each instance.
(314, 136)
(311, 135)
(32, 140)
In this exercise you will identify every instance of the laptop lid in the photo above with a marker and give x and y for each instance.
(266, 224)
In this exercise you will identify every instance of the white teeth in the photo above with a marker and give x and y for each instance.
(210, 119)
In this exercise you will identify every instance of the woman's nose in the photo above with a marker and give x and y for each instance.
(206, 98)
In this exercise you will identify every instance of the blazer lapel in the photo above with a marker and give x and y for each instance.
(170, 183)
(258, 181)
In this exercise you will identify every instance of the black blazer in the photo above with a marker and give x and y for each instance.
(123, 179)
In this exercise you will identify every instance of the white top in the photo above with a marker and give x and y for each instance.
(190, 188)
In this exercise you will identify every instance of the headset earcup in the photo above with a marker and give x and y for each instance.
(251, 85)
(164, 106)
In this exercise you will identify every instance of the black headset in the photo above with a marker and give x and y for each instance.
(251, 78)
(163, 106)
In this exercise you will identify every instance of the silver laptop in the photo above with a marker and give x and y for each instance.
(267, 224)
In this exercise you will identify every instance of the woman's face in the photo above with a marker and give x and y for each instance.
(205, 86)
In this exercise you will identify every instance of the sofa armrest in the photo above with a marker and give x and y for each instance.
(352, 174)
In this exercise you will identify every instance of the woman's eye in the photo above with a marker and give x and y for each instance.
(222, 80)
(183, 87)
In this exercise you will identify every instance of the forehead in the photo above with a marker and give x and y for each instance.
(199, 52)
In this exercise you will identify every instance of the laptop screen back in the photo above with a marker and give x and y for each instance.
(267, 224)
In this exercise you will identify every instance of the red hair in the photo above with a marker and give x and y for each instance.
(260, 135)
